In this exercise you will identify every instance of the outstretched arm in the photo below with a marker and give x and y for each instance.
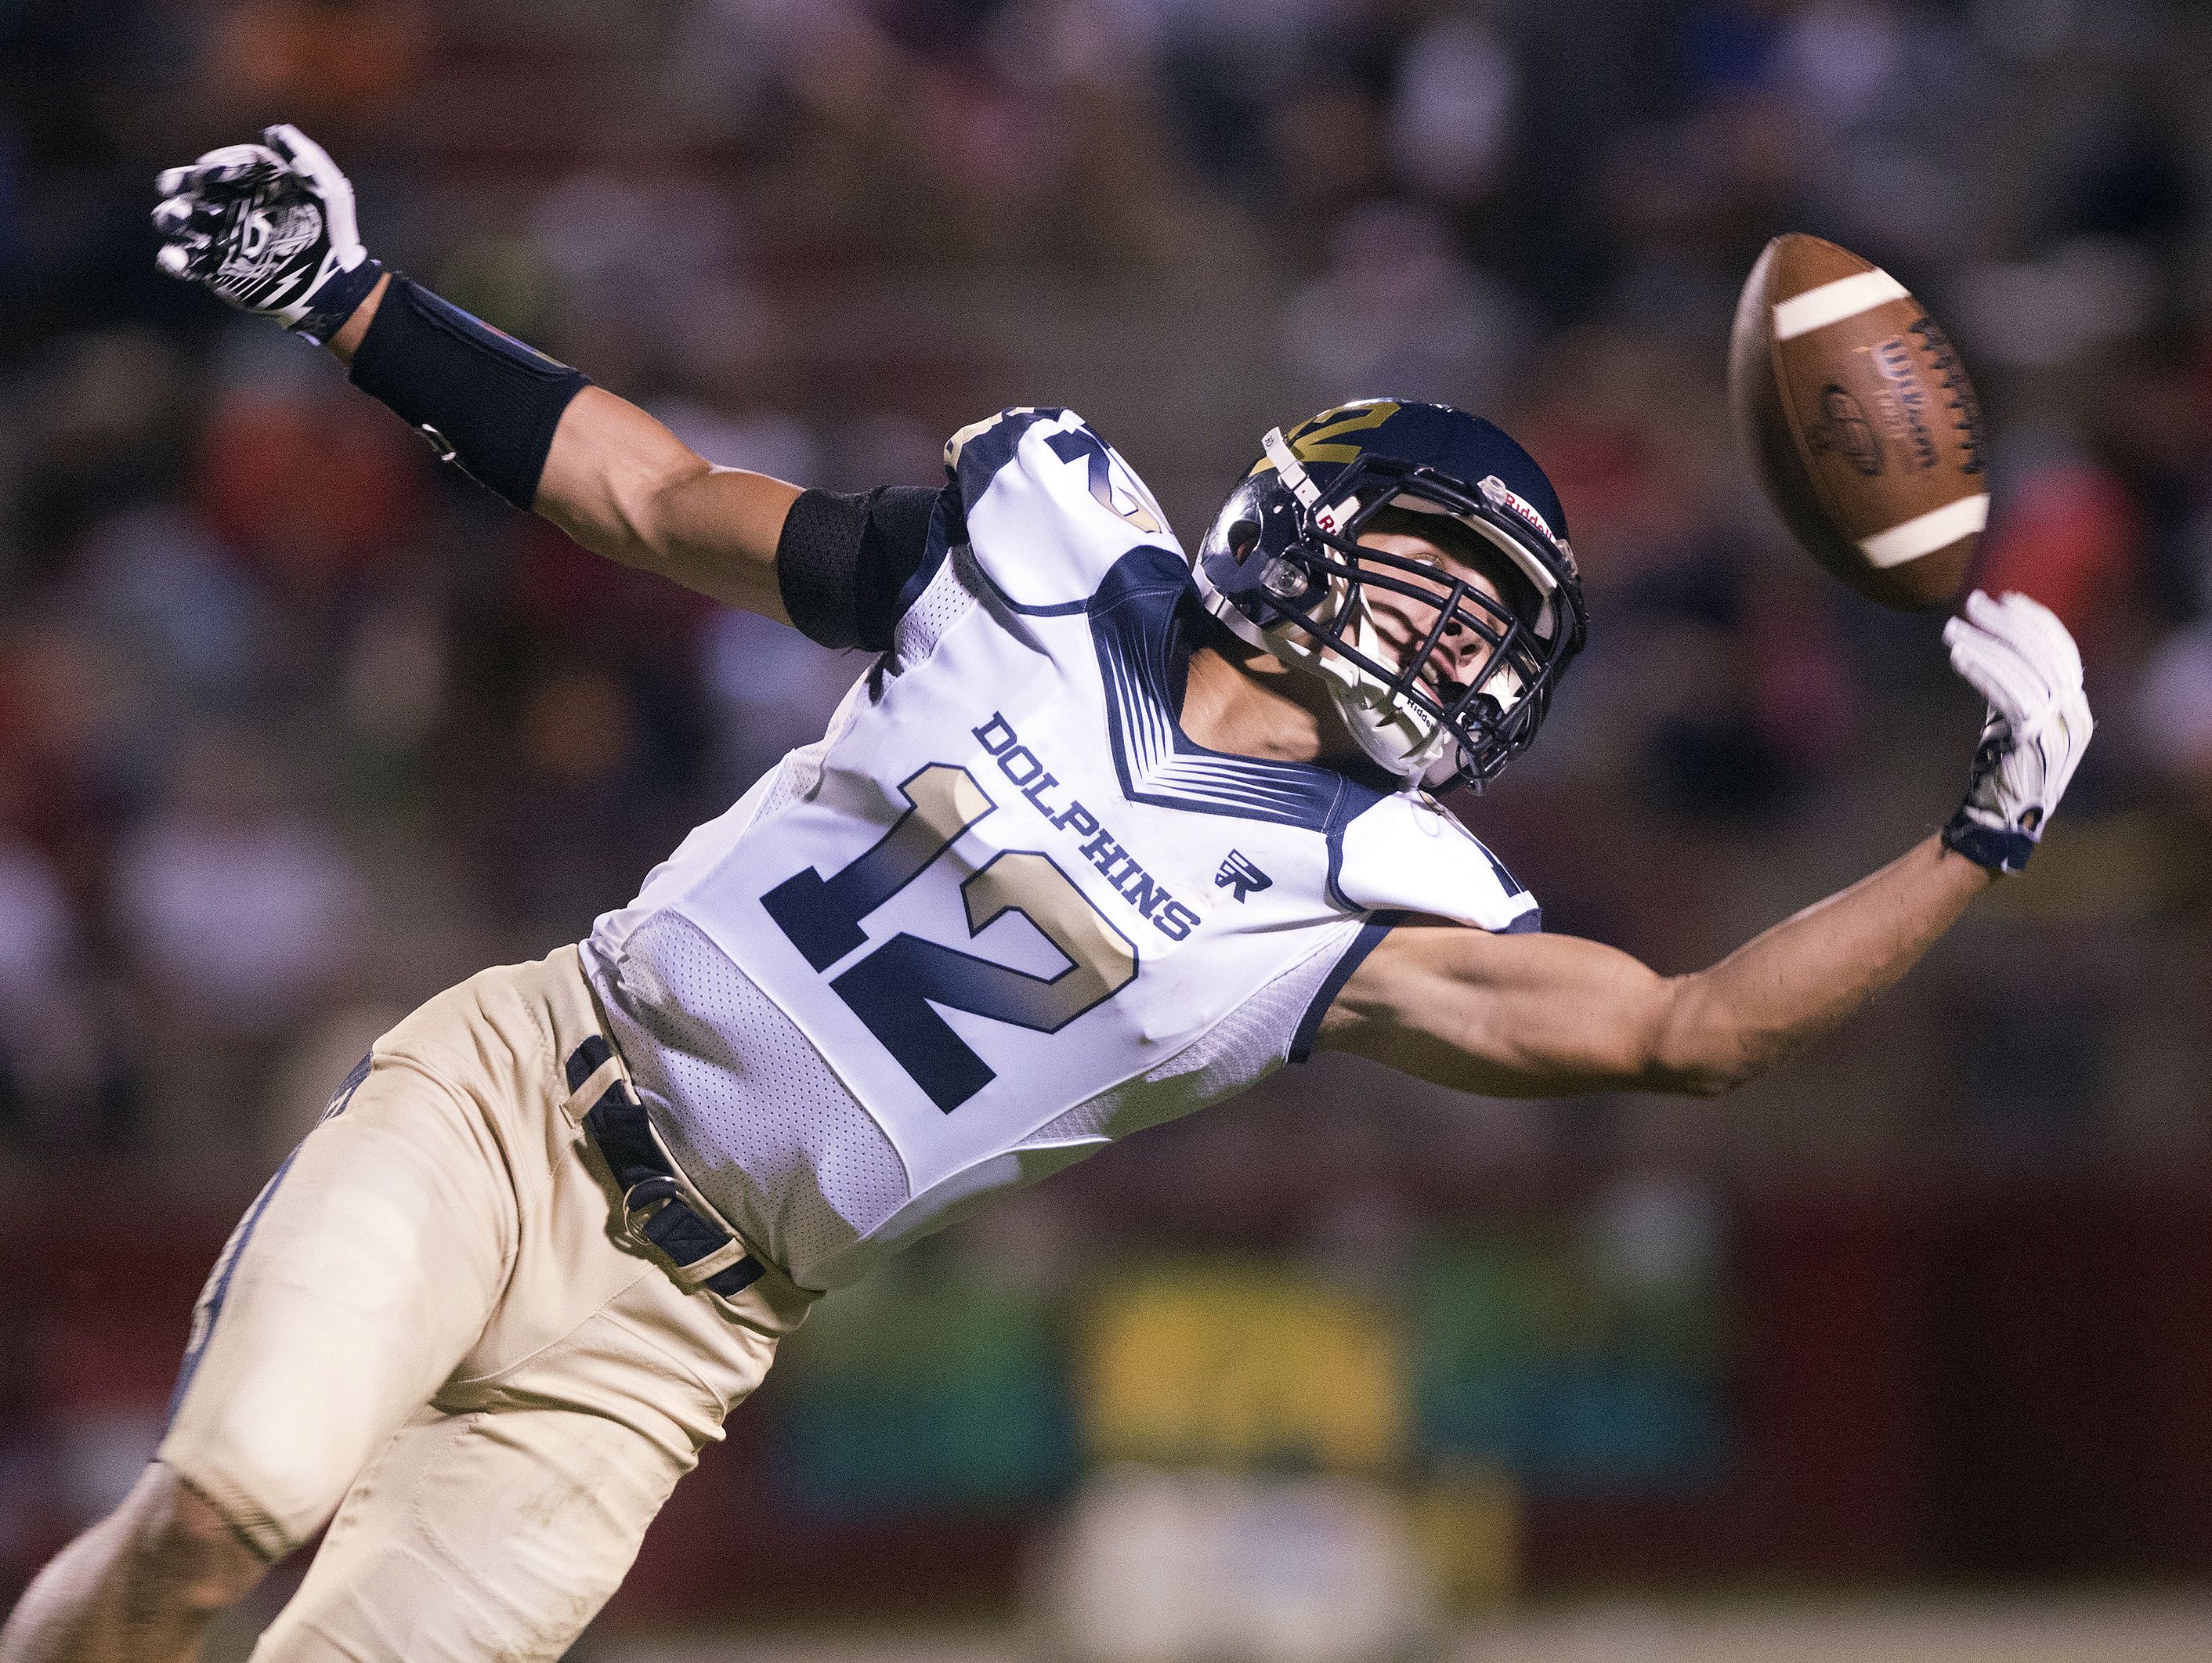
(1530, 1016)
(1535, 1016)
(623, 486)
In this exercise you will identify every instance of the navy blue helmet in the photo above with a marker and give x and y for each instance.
(1283, 567)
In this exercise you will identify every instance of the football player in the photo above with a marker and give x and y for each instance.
(1102, 835)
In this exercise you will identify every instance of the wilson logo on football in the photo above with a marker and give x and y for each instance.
(1844, 429)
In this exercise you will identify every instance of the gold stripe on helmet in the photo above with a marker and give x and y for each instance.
(1309, 440)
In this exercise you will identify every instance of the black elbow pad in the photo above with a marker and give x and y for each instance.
(844, 561)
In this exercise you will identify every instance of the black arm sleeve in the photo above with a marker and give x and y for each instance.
(843, 562)
(489, 402)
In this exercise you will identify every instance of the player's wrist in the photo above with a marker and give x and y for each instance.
(1997, 849)
(336, 301)
(347, 339)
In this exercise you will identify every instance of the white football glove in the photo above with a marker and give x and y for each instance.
(269, 229)
(2017, 654)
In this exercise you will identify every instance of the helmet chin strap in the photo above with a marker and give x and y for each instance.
(1395, 736)
(1292, 471)
(1392, 735)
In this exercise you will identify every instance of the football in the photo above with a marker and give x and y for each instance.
(1861, 423)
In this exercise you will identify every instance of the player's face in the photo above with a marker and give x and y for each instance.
(1404, 620)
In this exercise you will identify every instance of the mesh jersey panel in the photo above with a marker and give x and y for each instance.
(770, 1137)
(798, 774)
(1250, 1042)
(944, 600)
(942, 604)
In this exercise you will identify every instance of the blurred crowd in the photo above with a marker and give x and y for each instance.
(297, 727)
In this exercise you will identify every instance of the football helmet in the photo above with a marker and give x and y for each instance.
(1283, 567)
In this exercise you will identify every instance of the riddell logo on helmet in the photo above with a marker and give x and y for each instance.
(1333, 515)
(1499, 495)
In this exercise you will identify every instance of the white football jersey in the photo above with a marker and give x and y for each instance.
(1006, 910)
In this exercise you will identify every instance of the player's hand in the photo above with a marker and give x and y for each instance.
(2017, 654)
(269, 229)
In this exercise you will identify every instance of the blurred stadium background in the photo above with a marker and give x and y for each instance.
(1901, 1354)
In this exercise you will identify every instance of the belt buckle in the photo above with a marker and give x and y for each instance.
(645, 1199)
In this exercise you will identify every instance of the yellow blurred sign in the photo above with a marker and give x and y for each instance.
(1467, 1516)
(1241, 1365)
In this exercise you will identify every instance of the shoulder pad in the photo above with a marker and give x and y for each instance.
(1405, 852)
(1047, 505)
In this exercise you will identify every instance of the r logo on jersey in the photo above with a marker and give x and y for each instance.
(1242, 874)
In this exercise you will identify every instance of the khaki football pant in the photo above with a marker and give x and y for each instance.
(431, 1323)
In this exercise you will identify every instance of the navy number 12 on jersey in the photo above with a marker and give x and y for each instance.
(893, 988)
